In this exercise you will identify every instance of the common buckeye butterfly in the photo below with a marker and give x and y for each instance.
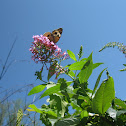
(55, 35)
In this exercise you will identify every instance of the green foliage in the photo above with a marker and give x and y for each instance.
(37, 89)
(43, 110)
(52, 70)
(95, 65)
(72, 55)
(121, 104)
(77, 65)
(54, 88)
(67, 122)
(86, 70)
(38, 74)
(104, 96)
(90, 107)
(84, 113)
(97, 82)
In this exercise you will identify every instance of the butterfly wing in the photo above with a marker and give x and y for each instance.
(57, 34)
(49, 35)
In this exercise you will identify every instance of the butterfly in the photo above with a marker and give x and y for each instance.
(55, 35)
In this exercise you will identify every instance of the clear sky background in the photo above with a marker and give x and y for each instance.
(89, 23)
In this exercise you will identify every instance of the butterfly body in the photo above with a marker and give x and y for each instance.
(55, 35)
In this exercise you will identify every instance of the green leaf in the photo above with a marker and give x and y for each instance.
(120, 103)
(35, 108)
(73, 94)
(59, 104)
(75, 105)
(77, 65)
(84, 59)
(84, 113)
(38, 74)
(52, 70)
(124, 64)
(67, 65)
(86, 70)
(37, 89)
(95, 65)
(48, 111)
(85, 73)
(67, 122)
(90, 57)
(120, 112)
(53, 89)
(71, 73)
(97, 82)
(72, 55)
(63, 83)
(104, 96)
(63, 88)
(76, 96)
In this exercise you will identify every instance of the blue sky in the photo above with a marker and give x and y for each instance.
(89, 23)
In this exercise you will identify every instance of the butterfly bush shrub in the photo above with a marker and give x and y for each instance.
(89, 107)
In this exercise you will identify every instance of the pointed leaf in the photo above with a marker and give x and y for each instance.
(120, 103)
(37, 89)
(38, 74)
(35, 108)
(67, 122)
(104, 96)
(72, 55)
(84, 113)
(97, 82)
(52, 70)
(120, 112)
(48, 111)
(77, 65)
(86, 70)
(71, 73)
(59, 104)
(53, 89)
(85, 73)
(75, 105)
(124, 64)
(95, 65)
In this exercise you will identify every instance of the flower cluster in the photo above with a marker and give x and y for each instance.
(45, 51)
(120, 46)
